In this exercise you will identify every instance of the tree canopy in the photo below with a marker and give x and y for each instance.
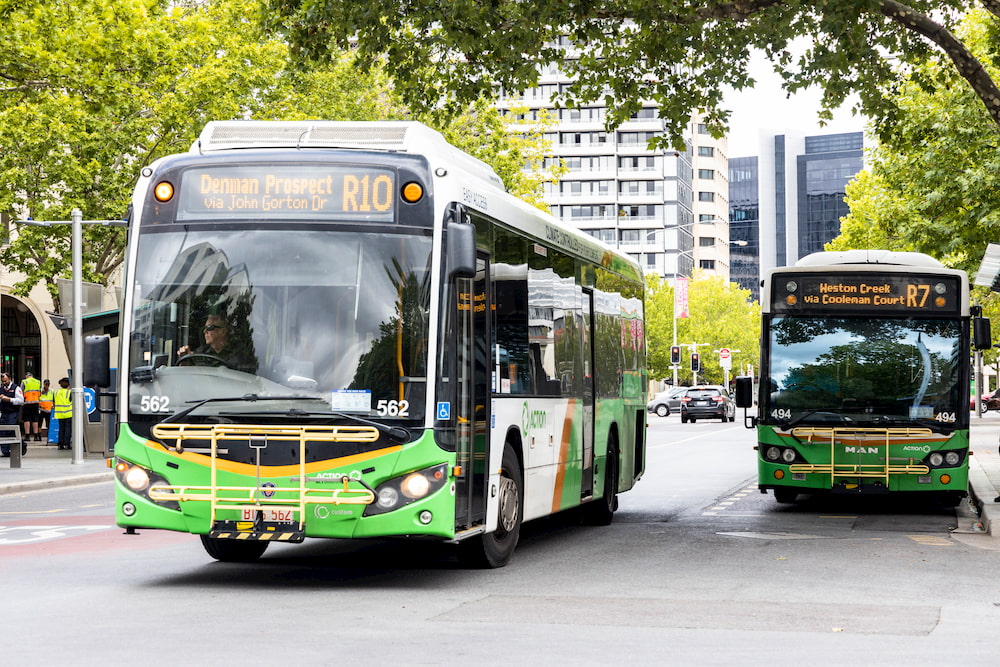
(721, 314)
(93, 90)
(679, 53)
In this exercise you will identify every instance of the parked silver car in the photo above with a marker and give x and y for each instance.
(665, 402)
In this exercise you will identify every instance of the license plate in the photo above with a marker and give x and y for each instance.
(270, 514)
(701, 402)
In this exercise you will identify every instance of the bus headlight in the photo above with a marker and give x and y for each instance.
(935, 459)
(137, 479)
(401, 491)
(788, 456)
(146, 484)
(772, 453)
(952, 458)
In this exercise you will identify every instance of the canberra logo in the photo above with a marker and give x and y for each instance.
(267, 489)
(531, 419)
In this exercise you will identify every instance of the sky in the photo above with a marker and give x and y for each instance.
(767, 107)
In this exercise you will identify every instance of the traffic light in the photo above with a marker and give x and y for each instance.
(675, 355)
(695, 362)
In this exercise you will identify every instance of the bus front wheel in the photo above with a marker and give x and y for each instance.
(495, 549)
(785, 496)
(233, 551)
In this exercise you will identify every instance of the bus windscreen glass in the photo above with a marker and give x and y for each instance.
(865, 371)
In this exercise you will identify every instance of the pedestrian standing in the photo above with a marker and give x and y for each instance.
(32, 390)
(45, 403)
(63, 411)
(11, 399)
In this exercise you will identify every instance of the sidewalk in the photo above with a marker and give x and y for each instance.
(984, 469)
(45, 467)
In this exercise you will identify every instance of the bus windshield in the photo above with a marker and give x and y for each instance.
(228, 312)
(865, 372)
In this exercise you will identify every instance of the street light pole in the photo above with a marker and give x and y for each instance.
(76, 393)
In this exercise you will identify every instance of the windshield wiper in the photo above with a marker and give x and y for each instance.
(885, 420)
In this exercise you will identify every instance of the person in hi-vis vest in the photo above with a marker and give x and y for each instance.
(32, 390)
(63, 411)
(45, 404)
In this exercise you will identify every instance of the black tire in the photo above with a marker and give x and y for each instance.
(785, 495)
(983, 407)
(684, 419)
(662, 410)
(951, 498)
(495, 549)
(233, 551)
(601, 512)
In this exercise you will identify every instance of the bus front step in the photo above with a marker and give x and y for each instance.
(261, 532)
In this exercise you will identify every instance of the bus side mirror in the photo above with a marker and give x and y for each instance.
(461, 250)
(744, 392)
(981, 338)
(97, 361)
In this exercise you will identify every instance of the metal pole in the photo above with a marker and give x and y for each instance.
(77, 390)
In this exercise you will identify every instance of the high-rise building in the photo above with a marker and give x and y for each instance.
(787, 201)
(667, 209)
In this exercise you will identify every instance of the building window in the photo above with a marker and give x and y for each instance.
(706, 217)
(706, 196)
(706, 241)
(707, 264)
(703, 129)
(708, 174)
(706, 151)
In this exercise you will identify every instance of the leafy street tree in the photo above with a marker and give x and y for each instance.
(679, 53)
(933, 182)
(91, 91)
(721, 314)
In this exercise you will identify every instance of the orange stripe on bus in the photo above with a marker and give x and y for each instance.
(274, 471)
(567, 431)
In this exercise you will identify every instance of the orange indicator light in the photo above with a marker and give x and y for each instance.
(163, 191)
(791, 300)
(779, 474)
(946, 478)
(412, 192)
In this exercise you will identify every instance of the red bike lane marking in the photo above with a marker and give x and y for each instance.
(62, 535)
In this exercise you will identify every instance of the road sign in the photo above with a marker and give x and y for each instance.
(725, 358)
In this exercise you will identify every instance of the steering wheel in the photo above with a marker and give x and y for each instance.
(187, 358)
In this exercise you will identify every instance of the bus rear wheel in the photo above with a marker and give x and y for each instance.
(495, 549)
(601, 512)
(233, 551)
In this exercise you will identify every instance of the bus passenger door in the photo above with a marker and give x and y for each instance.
(473, 410)
(587, 350)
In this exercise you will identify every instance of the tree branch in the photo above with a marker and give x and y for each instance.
(968, 66)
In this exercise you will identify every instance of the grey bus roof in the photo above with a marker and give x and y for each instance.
(869, 257)
(390, 136)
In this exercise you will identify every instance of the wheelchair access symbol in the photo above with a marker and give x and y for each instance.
(444, 410)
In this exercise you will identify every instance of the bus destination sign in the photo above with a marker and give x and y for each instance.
(287, 192)
(865, 293)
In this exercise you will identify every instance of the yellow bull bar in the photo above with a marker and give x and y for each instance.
(253, 497)
(872, 436)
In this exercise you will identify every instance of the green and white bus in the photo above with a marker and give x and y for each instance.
(350, 330)
(864, 383)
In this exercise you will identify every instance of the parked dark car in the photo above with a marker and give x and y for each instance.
(666, 402)
(989, 401)
(707, 401)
